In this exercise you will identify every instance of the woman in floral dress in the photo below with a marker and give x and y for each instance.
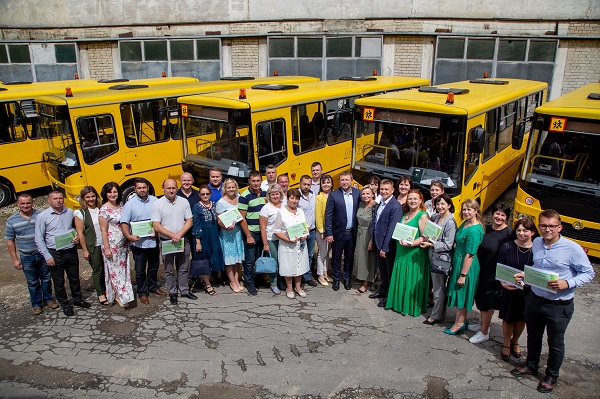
(114, 247)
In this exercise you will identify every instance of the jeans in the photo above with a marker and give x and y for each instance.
(554, 318)
(252, 253)
(273, 248)
(146, 280)
(66, 262)
(310, 246)
(181, 262)
(37, 275)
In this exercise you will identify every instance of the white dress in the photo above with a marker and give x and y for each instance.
(292, 256)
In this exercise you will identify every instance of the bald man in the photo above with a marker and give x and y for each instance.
(172, 218)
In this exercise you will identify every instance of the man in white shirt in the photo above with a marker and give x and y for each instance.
(284, 181)
(172, 218)
(316, 169)
(307, 204)
(271, 177)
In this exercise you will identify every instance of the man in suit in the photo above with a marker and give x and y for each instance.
(382, 227)
(340, 228)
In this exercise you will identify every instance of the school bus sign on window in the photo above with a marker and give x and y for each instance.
(368, 114)
(557, 124)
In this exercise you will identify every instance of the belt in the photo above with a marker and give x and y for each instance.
(348, 231)
(554, 302)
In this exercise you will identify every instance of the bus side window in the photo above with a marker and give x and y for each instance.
(97, 137)
(472, 159)
(491, 130)
(271, 143)
(309, 132)
(11, 125)
(507, 123)
(141, 123)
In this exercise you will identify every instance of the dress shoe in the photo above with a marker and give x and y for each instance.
(159, 292)
(547, 385)
(335, 285)
(432, 321)
(173, 299)
(523, 370)
(374, 295)
(252, 290)
(323, 280)
(189, 295)
(52, 304)
(144, 300)
(68, 311)
(310, 282)
(461, 329)
(36, 310)
(347, 285)
(82, 304)
(382, 303)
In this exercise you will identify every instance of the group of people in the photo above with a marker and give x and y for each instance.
(355, 228)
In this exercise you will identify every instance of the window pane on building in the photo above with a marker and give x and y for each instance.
(182, 50)
(209, 49)
(480, 49)
(542, 51)
(46, 73)
(131, 51)
(3, 54)
(451, 48)
(65, 53)
(155, 50)
(285, 67)
(367, 47)
(19, 53)
(309, 68)
(339, 47)
(512, 50)
(310, 47)
(281, 47)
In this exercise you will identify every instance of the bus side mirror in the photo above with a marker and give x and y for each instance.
(518, 135)
(477, 140)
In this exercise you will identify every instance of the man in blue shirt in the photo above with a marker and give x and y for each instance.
(215, 183)
(20, 235)
(53, 231)
(545, 310)
(144, 249)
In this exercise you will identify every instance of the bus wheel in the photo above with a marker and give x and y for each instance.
(6, 194)
(128, 192)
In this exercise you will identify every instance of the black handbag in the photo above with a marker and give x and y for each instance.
(441, 263)
(266, 264)
(199, 267)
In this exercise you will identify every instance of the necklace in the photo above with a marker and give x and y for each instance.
(409, 216)
(521, 251)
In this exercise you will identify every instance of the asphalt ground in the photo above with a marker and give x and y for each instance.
(330, 344)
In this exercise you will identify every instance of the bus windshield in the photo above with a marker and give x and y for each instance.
(56, 129)
(565, 161)
(216, 137)
(427, 147)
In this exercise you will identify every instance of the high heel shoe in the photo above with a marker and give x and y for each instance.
(514, 353)
(504, 357)
(461, 329)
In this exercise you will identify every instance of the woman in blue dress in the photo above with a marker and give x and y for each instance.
(231, 236)
(206, 233)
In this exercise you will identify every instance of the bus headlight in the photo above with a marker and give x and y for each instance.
(529, 201)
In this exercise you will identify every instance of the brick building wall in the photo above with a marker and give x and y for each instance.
(100, 59)
(244, 51)
(583, 59)
(408, 55)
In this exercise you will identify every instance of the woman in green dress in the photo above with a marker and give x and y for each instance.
(409, 284)
(462, 283)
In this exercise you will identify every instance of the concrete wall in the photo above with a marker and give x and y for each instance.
(93, 13)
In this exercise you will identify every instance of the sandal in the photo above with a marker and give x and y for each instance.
(359, 291)
(504, 357)
(103, 302)
(210, 290)
(237, 291)
(514, 353)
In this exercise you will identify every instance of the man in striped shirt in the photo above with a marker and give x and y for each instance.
(251, 201)
(20, 236)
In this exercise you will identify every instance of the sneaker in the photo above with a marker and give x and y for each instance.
(52, 305)
(82, 304)
(479, 338)
(474, 327)
(36, 310)
(275, 290)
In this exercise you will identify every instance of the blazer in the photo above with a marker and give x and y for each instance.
(335, 213)
(382, 230)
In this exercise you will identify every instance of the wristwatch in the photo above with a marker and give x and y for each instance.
(463, 275)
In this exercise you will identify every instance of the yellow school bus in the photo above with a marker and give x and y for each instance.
(120, 134)
(561, 169)
(457, 133)
(290, 126)
(21, 146)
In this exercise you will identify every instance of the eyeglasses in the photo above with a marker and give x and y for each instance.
(550, 227)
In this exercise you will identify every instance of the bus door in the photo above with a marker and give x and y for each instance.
(473, 170)
(271, 143)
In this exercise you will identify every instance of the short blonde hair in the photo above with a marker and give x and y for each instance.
(229, 181)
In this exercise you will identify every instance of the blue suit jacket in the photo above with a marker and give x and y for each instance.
(382, 230)
(335, 213)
